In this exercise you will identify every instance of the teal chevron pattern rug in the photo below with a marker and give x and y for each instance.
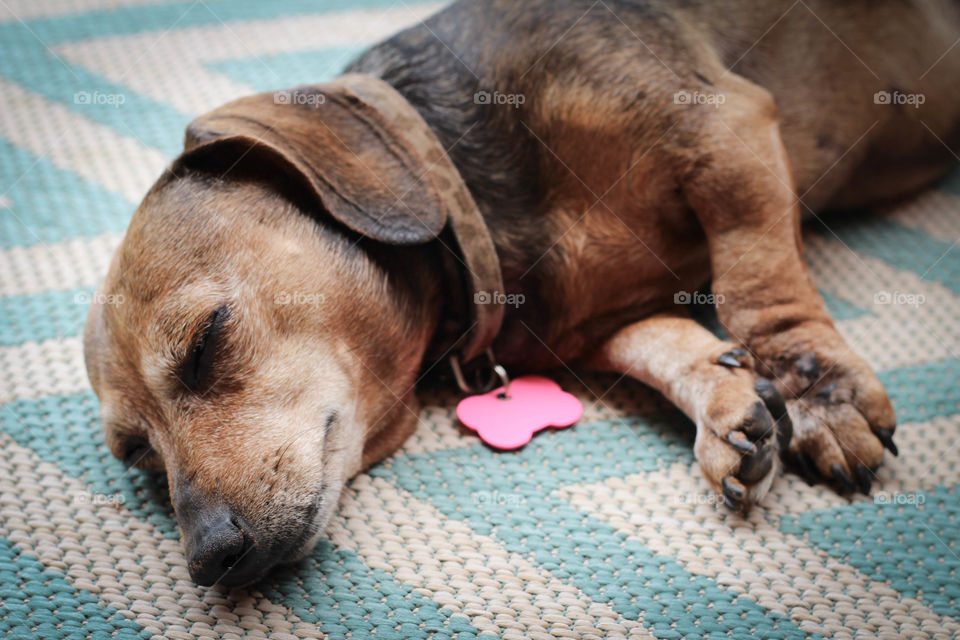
(606, 529)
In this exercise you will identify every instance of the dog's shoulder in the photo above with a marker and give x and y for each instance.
(500, 83)
(443, 73)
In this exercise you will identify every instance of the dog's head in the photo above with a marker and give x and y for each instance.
(251, 338)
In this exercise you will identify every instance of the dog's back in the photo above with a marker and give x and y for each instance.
(578, 61)
(578, 103)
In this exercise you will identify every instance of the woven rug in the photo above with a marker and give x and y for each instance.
(606, 529)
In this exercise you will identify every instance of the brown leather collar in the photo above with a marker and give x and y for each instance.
(475, 256)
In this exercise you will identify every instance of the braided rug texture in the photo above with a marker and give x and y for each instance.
(606, 529)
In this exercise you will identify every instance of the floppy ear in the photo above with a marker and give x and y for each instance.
(361, 169)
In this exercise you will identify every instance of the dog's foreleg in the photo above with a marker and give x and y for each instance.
(739, 422)
(742, 191)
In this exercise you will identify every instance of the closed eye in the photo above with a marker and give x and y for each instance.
(195, 370)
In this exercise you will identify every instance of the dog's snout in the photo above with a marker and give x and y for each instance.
(217, 550)
(219, 544)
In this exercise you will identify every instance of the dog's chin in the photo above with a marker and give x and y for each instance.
(312, 531)
(286, 554)
(293, 554)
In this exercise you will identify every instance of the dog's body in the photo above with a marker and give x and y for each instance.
(619, 153)
(597, 103)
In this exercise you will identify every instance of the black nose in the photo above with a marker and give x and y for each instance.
(218, 549)
(220, 546)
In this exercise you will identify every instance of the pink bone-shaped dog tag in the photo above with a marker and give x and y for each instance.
(534, 403)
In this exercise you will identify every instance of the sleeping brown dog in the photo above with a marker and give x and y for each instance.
(314, 250)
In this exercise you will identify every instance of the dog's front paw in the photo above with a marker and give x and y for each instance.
(841, 414)
(742, 428)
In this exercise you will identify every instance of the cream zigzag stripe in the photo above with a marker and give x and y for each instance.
(905, 332)
(500, 592)
(933, 211)
(36, 369)
(71, 264)
(926, 453)
(15, 10)
(778, 571)
(155, 63)
(75, 143)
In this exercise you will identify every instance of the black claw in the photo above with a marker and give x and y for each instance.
(808, 470)
(731, 504)
(778, 409)
(864, 478)
(808, 366)
(771, 397)
(754, 468)
(740, 442)
(886, 437)
(729, 360)
(760, 424)
(846, 484)
(733, 489)
(784, 433)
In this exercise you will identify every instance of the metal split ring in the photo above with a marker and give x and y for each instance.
(497, 372)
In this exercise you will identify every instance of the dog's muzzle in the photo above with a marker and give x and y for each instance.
(221, 546)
